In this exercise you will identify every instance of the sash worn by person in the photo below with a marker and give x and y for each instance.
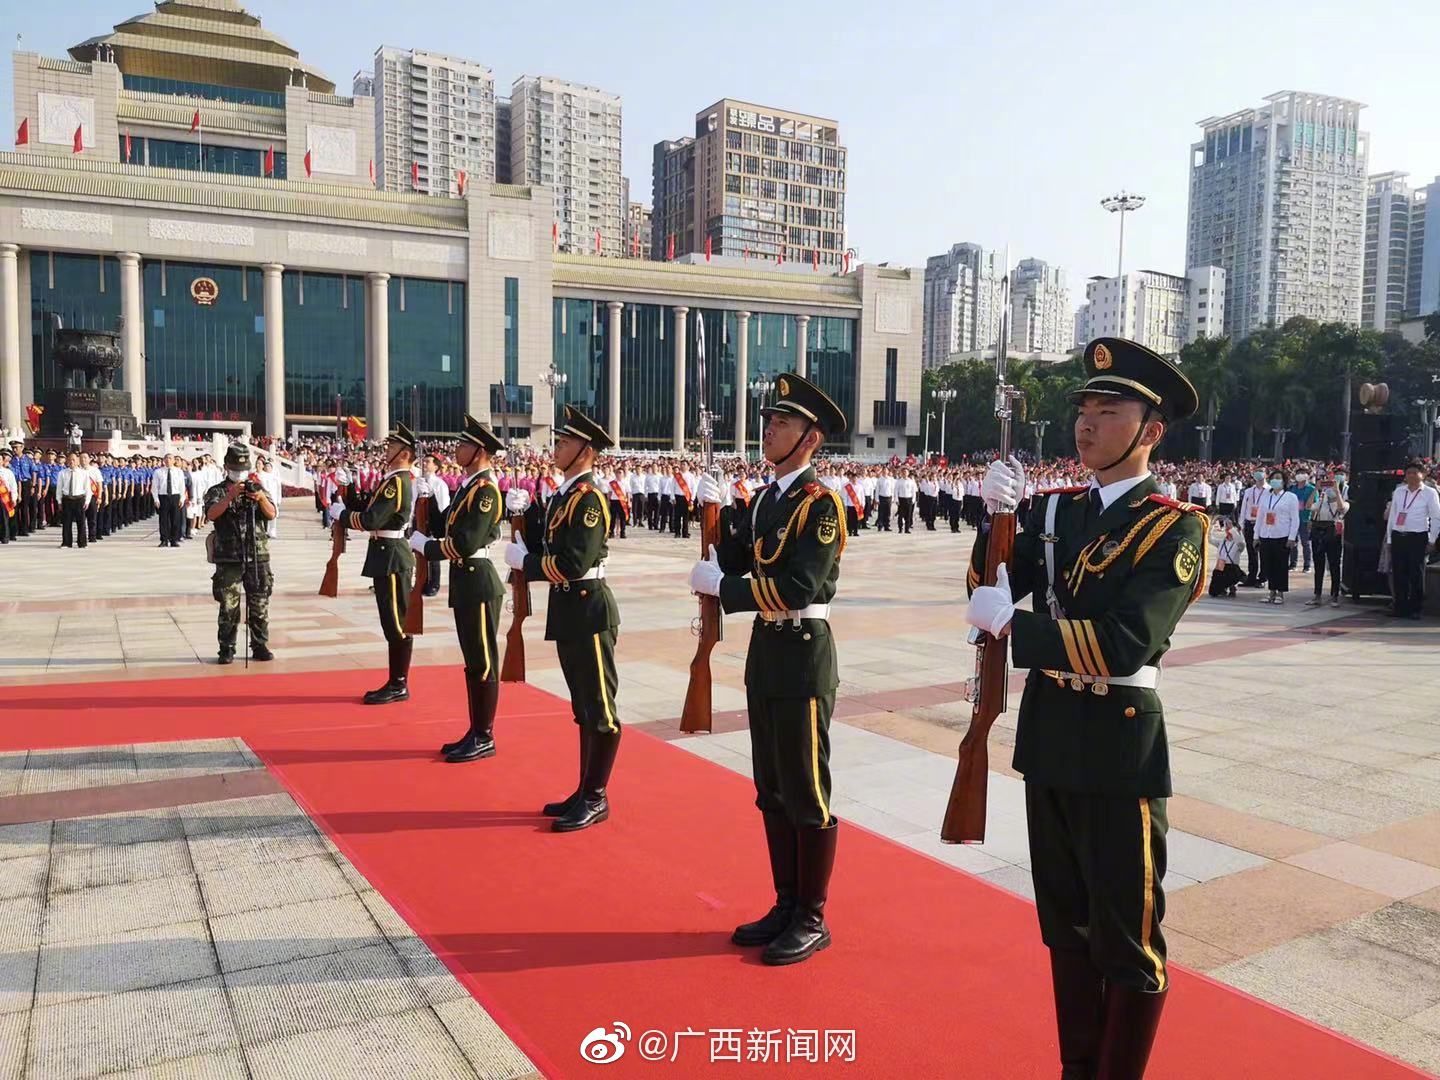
(389, 561)
(565, 545)
(1112, 567)
(780, 557)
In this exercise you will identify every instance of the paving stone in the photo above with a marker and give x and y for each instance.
(257, 813)
(247, 886)
(488, 1049)
(90, 866)
(80, 1039)
(1015, 879)
(24, 876)
(25, 840)
(63, 770)
(403, 1047)
(434, 979)
(14, 1031)
(120, 962)
(135, 827)
(269, 936)
(1404, 927)
(225, 1065)
(280, 841)
(114, 909)
(1378, 871)
(1201, 859)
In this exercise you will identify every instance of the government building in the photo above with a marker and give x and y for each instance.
(188, 181)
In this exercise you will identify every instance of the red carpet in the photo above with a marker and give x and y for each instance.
(937, 974)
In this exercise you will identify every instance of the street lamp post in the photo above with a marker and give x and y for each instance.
(554, 379)
(944, 397)
(1206, 434)
(760, 388)
(925, 456)
(1280, 433)
(1122, 203)
(1039, 426)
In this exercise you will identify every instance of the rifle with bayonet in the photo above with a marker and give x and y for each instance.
(709, 627)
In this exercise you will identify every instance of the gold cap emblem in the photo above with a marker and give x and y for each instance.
(784, 385)
(1103, 360)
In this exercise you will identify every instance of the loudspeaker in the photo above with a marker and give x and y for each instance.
(1365, 531)
(1375, 445)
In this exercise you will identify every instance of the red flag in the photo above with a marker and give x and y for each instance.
(22, 137)
(79, 141)
(670, 247)
(707, 249)
(554, 235)
(415, 175)
(846, 264)
(195, 122)
(128, 147)
(372, 172)
(307, 163)
(461, 178)
(270, 161)
(816, 260)
(597, 242)
(355, 428)
(635, 246)
(780, 256)
(32, 417)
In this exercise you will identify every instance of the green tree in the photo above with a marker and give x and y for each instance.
(1206, 363)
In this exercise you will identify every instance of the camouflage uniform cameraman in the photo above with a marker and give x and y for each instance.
(241, 553)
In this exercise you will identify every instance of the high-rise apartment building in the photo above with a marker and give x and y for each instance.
(566, 137)
(434, 119)
(1041, 318)
(762, 183)
(502, 141)
(963, 302)
(1163, 312)
(1277, 200)
(637, 230)
(1388, 214)
(1424, 203)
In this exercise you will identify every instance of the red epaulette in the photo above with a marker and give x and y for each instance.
(1064, 490)
(582, 487)
(816, 490)
(1176, 504)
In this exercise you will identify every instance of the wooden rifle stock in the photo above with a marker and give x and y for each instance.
(513, 667)
(697, 714)
(965, 813)
(415, 611)
(330, 583)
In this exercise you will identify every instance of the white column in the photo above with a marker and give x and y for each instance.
(742, 380)
(613, 393)
(132, 337)
(678, 434)
(377, 373)
(274, 349)
(802, 334)
(12, 412)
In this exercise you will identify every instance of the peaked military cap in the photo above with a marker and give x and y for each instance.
(404, 436)
(581, 426)
(478, 434)
(237, 456)
(797, 396)
(1129, 370)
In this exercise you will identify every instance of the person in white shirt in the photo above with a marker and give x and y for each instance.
(885, 492)
(905, 491)
(167, 488)
(10, 487)
(1200, 494)
(1227, 494)
(1327, 525)
(1277, 529)
(1249, 516)
(75, 495)
(1226, 574)
(1412, 523)
(270, 481)
(430, 486)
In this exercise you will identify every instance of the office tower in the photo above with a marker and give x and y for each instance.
(1041, 318)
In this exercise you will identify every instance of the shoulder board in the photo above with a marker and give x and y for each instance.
(582, 487)
(1176, 504)
(816, 490)
(1064, 490)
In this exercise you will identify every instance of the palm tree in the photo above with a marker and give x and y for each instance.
(1206, 363)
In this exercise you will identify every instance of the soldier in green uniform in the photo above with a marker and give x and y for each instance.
(471, 524)
(1112, 566)
(389, 561)
(788, 541)
(564, 544)
(240, 511)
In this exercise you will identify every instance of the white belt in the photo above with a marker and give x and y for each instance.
(388, 534)
(480, 556)
(1147, 678)
(592, 573)
(814, 611)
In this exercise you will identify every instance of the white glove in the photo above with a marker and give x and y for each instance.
(706, 575)
(418, 541)
(709, 490)
(515, 555)
(517, 500)
(991, 606)
(1003, 485)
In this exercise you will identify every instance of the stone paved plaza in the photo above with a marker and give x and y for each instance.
(1304, 847)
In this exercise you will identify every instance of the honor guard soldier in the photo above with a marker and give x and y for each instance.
(241, 554)
(1113, 566)
(788, 542)
(564, 544)
(476, 594)
(389, 562)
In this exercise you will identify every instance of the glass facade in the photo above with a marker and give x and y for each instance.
(427, 354)
(830, 354)
(78, 292)
(324, 344)
(204, 361)
(175, 154)
(581, 343)
(206, 91)
(720, 330)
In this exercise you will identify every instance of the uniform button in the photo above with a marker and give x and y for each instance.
(805, 637)
(1130, 710)
(584, 592)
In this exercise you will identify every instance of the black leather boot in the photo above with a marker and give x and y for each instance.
(565, 805)
(261, 652)
(398, 687)
(450, 747)
(1131, 1019)
(592, 807)
(480, 743)
(807, 933)
(780, 839)
(1079, 1012)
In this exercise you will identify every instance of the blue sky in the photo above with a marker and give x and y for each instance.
(999, 123)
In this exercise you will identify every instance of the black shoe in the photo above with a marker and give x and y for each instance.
(592, 807)
(480, 742)
(227, 656)
(807, 933)
(1131, 1019)
(397, 688)
(780, 839)
(429, 593)
(261, 653)
(1079, 1012)
(567, 804)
